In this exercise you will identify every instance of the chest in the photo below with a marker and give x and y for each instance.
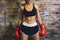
(29, 13)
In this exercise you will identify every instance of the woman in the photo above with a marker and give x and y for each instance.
(29, 16)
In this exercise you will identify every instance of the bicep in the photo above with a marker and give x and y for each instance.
(20, 15)
(38, 16)
(37, 12)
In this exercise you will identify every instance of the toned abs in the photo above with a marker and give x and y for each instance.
(30, 19)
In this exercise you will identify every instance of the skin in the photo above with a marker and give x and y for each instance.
(32, 19)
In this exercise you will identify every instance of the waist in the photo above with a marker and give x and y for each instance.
(29, 24)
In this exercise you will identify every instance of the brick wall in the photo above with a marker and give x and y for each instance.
(49, 11)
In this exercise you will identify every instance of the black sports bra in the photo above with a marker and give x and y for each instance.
(29, 13)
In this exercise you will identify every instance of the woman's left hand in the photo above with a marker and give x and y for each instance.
(43, 30)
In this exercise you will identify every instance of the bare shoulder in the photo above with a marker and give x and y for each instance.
(36, 6)
(21, 7)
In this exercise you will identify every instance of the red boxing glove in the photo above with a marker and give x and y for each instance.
(43, 30)
(16, 33)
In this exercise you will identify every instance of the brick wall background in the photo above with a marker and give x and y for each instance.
(49, 11)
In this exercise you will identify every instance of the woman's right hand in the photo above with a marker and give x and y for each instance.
(16, 33)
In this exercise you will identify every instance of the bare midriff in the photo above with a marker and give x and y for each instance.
(30, 19)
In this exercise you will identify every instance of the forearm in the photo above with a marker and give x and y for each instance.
(19, 22)
(42, 27)
(39, 21)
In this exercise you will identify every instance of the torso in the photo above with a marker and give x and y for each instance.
(30, 19)
(29, 14)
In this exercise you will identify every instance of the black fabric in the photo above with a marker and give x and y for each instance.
(29, 30)
(29, 13)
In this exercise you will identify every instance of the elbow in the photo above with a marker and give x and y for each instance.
(38, 20)
(19, 22)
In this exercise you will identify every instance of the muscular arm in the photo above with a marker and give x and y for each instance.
(38, 15)
(20, 16)
(42, 26)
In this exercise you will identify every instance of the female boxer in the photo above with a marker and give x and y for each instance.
(29, 20)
